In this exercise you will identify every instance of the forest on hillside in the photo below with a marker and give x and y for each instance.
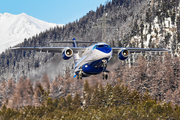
(127, 20)
(98, 102)
(145, 90)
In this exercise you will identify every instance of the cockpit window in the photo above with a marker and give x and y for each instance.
(100, 46)
(107, 46)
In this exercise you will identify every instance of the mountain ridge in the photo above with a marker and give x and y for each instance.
(15, 28)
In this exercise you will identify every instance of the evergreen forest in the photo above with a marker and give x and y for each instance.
(40, 85)
(109, 102)
(143, 96)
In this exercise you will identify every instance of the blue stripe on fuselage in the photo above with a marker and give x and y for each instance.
(91, 70)
(94, 67)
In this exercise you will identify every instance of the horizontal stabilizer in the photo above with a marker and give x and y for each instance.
(73, 42)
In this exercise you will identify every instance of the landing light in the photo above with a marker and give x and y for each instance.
(104, 60)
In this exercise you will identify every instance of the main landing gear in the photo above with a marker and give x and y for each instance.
(105, 75)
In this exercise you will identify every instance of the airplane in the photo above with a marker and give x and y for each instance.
(94, 58)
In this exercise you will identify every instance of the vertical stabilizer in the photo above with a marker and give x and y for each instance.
(76, 53)
(74, 42)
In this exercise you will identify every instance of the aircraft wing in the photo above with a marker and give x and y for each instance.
(49, 49)
(139, 50)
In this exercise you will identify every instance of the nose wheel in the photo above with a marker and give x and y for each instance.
(79, 76)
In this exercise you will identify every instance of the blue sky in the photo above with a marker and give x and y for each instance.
(54, 11)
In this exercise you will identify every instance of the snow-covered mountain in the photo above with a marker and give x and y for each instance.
(14, 28)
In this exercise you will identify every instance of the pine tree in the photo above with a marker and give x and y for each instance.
(62, 103)
(125, 95)
(68, 99)
(116, 90)
(108, 95)
(146, 96)
(76, 101)
(55, 102)
(36, 97)
(49, 101)
(134, 97)
(101, 97)
(86, 94)
(94, 97)
(86, 87)
(142, 28)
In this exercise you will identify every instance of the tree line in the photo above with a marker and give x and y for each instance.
(97, 102)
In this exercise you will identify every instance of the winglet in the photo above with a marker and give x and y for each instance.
(74, 43)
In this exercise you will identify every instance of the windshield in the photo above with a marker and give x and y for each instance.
(107, 46)
(100, 46)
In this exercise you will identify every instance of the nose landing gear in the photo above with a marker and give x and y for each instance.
(79, 76)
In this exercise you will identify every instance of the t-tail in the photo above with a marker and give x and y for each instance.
(74, 42)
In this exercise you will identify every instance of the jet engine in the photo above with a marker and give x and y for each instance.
(67, 53)
(123, 54)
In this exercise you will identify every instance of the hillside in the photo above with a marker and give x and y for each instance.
(130, 24)
(120, 14)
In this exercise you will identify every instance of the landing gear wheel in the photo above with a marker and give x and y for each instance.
(80, 75)
(105, 75)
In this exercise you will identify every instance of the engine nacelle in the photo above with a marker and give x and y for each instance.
(123, 54)
(67, 53)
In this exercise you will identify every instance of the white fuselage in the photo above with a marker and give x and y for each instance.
(93, 54)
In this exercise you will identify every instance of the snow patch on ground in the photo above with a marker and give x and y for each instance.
(156, 35)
